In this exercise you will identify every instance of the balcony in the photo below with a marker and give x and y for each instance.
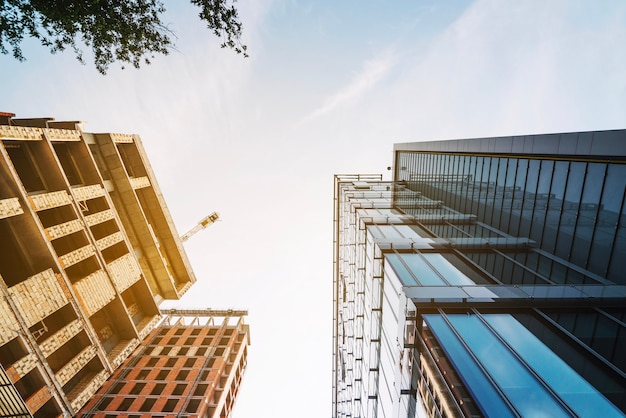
(94, 291)
(83, 193)
(124, 271)
(109, 240)
(146, 325)
(61, 134)
(56, 340)
(8, 322)
(86, 388)
(10, 207)
(122, 138)
(21, 133)
(121, 351)
(38, 296)
(99, 217)
(64, 229)
(22, 367)
(139, 182)
(50, 200)
(75, 365)
(77, 256)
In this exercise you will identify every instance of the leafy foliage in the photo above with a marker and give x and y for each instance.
(224, 22)
(129, 31)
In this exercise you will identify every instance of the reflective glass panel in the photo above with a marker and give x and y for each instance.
(577, 393)
(424, 273)
(482, 390)
(447, 270)
(526, 393)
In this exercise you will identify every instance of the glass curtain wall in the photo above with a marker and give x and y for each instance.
(573, 209)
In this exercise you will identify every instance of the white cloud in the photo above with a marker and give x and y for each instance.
(374, 70)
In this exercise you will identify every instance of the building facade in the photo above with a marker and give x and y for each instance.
(88, 252)
(191, 365)
(484, 280)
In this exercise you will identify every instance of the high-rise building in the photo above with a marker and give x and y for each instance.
(88, 251)
(485, 279)
(191, 365)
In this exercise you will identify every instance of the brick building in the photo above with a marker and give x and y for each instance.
(191, 365)
(88, 252)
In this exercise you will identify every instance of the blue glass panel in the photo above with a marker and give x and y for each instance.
(483, 392)
(583, 398)
(421, 270)
(524, 391)
(447, 270)
(403, 274)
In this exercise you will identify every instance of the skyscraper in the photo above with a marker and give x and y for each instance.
(191, 365)
(88, 252)
(484, 280)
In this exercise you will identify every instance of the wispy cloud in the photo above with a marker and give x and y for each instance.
(373, 71)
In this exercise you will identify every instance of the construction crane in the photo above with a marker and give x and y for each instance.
(204, 222)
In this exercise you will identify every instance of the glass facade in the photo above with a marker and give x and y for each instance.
(484, 280)
(573, 210)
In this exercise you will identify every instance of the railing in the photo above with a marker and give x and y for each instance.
(50, 200)
(38, 296)
(122, 138)
(139, 182)
(109, 240)
(88, 192)
(77, 256)
(99, 217)
(20, 132)
(85, 389)
(10, 207)
(75, 365)
(124, 271)
(66, 228)
(95, 291)
(56, 340)
(62, 134)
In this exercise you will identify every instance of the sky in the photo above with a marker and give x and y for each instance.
(328, 88)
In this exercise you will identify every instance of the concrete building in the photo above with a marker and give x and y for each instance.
(88, 251)
(484, 280)
(191, 365)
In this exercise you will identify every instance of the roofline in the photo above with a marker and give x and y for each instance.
(609, 143)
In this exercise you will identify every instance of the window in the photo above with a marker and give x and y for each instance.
(200, 390)
(136, 390)
(192, 406)
(117, 388)
(179, 389)
(125, 404)
(147, 405)
(170, 405)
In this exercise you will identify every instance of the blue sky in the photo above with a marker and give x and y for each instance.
(328, 88)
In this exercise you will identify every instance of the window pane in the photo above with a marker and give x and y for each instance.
(475, 380)
(447, 270)
(526, 393)
(583, 398)
(420, 269)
